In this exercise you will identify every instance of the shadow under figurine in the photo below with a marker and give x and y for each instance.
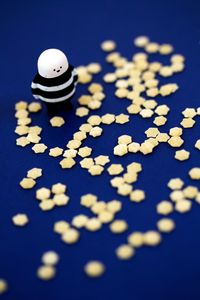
(55, 82)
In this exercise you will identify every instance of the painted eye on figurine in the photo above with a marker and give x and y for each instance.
(54, 70)
(60, 67)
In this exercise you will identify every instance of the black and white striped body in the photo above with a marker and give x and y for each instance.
(56, 89)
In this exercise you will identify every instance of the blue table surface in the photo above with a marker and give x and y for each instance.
(170, 271)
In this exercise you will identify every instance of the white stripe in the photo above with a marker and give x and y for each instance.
(57, 99)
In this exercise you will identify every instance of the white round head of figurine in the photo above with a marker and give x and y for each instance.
(52, 63)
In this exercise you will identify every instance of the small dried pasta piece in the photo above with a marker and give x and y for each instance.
(33, 138)
(21, 114)
(46, 272)
(190, 192)
(102, 160)
(24, 121)
(58, 188)
(67, 163)
(21, 129)
(115, 169)
(61, 227)
(79, 135)
(152, 47)
(94, 268)
(183, 206)
(22, 141)
(134, 109)
(39, 148)
(146, 147)
(109, 77)
(43, 193)
(122, 119)
(27, 183)
(34, 173)
(152, 132)
(55, 152)
(121, 93)
(50, 258)
(125, 252)
(194, 173)
(189, 113)
(73, 144)
(162, 137)
(70, 153)
(146, 113)
(94, 120)
(177, 58)
(165, 49)
(108, 119)
(137, 195)
(3, 286)
(159, 121)
(152, 92)
(60, 199)
(20, 220)
(93, 224)
(94, 68)
(175, 141)
(114, 206)
(167, 89)
(21, 105)
(136, 239)
(176, 131)
(47, 205)
(124, 189)
(197, 144)
(175, 184)
(84, 151)
(94, 104)
(166, 71)
(34, 107)
(117, 181)
(108, 45)
(152, 238)
(88, 200)
(162, 110)
(118, 226)
(120, 149)
(98, 207)
(79, 221)
(35, 129)
(95, 88)
(124, 139)
(57, 121)
(86, 163)
(176, 195)
(105, 216)
(133, 147)
(166, 225)
(95, 170)
(182, 155)
(71, 236)
(82, 111)
(141, 41)
(187, 123)
(96, 131)
(164, 207)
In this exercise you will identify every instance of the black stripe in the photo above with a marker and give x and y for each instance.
(75, 78)
(54, 95)
(49, 82)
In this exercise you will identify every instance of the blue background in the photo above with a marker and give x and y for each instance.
(170, 271)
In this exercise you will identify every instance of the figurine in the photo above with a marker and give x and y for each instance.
(55, 82)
